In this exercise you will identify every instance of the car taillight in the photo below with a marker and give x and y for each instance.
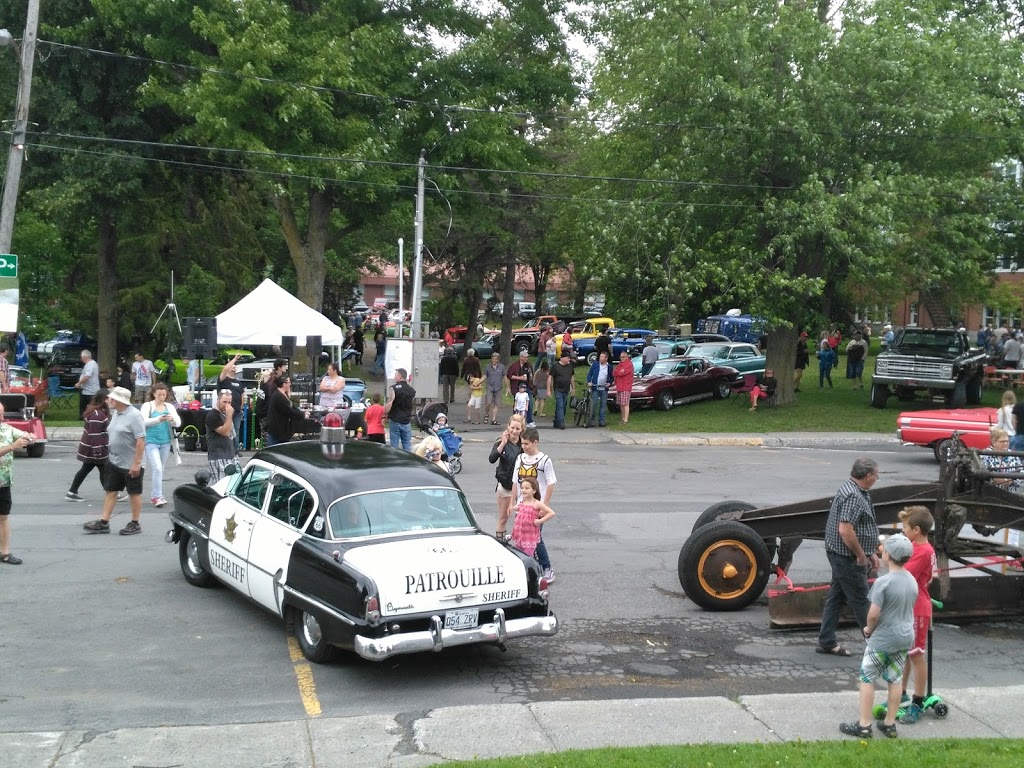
(372, 610)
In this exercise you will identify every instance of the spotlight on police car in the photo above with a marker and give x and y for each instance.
(332, 436)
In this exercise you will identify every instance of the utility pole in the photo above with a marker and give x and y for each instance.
(417, 280)
(401, 286)
(12, 179)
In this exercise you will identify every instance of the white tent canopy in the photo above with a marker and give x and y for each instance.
(270, 312)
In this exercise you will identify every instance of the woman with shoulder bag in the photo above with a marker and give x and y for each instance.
(504, 453)
(93, 447)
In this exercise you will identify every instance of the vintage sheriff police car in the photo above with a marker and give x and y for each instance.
(361, 547)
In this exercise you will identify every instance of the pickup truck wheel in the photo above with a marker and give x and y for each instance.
(592, 358)
(974, 391)
(191, 567)
(664, 401)
(879, 395)
(958, 397)
(311, 638)
(722, 510)
(724, 566)
(946, 448)
(522, 346)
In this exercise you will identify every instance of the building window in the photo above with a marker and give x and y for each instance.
(913, 314)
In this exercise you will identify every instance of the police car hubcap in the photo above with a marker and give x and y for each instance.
(311, 628)
(193, 558)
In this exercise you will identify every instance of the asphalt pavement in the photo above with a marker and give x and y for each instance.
(478, 732)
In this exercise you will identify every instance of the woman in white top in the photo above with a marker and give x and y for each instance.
(160, 419)
(332, 388)
(1005, 420)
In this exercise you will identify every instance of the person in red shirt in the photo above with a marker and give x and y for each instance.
(835, 338)
(917, 524)
(375, 420)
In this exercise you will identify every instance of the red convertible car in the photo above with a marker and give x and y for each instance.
(934, 429)
(680, 380)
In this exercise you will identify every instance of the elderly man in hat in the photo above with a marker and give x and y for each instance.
(124, 471)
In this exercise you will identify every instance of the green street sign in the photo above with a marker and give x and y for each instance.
(8, 265)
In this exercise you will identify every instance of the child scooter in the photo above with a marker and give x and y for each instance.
(932, 700)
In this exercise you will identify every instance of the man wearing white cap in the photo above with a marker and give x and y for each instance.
(124, 471)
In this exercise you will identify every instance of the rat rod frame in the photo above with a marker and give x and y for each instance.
(735, 547)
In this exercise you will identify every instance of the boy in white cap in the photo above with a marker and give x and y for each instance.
(890, 634)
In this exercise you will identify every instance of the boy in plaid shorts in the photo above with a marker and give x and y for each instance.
(890, 634)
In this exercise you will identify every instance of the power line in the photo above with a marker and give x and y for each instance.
(396, 164)
(224, 169)
(500, 111)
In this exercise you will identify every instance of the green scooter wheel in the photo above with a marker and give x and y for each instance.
(879, 711)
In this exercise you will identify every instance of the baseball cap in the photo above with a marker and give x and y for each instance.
(899, 547)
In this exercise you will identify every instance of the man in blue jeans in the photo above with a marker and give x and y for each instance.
(399, 410)
(851, 545)
(563, 384)
(599, 377)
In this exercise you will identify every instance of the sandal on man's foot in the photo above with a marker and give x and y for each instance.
(856, 729)
(837, 651)
(10, 559)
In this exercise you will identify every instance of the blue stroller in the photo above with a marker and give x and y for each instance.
(429, 420)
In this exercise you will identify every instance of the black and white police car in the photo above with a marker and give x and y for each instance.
(358, 546)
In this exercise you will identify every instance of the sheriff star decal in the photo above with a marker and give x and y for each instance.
(229, 529)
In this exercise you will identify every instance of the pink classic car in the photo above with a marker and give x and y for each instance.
(934, 429)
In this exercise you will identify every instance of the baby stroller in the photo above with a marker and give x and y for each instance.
(433, 420)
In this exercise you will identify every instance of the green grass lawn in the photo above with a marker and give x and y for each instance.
(841, 409)
(880, 753)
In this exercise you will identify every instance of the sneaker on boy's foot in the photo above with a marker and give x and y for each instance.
(888, 730)
(97, 526)
(549, 575)
(131, 529)
(122, 497)
(161, 502)
(905, 700)
(911, 715)
(72, 496)
(856, 729)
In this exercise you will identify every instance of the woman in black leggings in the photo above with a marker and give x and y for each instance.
(93, 447)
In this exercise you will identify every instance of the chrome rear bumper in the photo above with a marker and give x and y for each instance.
(437, 637)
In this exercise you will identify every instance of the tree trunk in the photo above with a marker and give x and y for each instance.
(106, 295)
(508, 294)
(782, 360)
(307, 251)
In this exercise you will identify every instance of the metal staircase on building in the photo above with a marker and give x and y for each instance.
(937, 312)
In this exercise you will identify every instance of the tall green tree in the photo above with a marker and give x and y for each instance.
(801, 152)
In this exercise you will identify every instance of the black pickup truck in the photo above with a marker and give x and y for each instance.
(939, 361)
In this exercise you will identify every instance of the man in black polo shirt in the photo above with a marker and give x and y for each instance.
(851, 544)
(399, 410)
(563, 384)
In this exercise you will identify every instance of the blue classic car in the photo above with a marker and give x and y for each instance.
(361, 547)
(630, 340)
(745, 358)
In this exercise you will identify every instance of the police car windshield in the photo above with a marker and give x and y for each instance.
(404, 510)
